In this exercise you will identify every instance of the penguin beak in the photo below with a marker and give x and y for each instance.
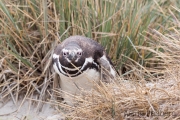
(72, 56)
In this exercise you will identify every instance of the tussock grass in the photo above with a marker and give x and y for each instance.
(130, 100)
(141, 37)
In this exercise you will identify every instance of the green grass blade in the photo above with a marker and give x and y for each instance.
(9, 16)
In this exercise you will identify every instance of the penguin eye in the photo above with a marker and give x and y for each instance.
(65, 53)
(79, 53)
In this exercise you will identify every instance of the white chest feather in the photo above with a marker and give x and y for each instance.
(74, 85)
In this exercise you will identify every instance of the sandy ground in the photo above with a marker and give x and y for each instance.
(27, 111)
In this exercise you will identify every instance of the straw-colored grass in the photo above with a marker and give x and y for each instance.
(142, 38)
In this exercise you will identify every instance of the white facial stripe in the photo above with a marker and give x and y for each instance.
(65, 50)
(87, 60)
(55, 65)
(56, 68)
(111, 69)
(79, 50)
(71, 69)
(55, 56)
(74, 50)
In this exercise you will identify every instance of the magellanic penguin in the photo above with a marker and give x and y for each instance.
(81, 63)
